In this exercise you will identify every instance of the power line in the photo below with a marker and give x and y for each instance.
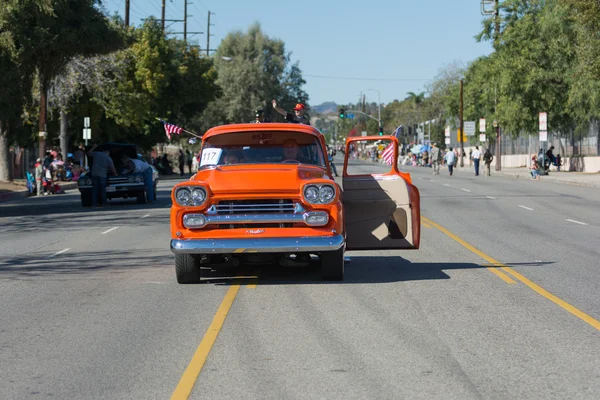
(365, 79)
(202, 4)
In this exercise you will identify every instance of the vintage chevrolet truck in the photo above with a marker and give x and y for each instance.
(264, 193)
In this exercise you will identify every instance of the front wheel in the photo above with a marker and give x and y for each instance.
(187, 268)
(332, 265)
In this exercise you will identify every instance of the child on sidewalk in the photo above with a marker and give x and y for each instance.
(535, 174)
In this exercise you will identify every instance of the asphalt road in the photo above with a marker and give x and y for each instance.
(90, 306)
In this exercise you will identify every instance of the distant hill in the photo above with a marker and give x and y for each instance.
(325, 108)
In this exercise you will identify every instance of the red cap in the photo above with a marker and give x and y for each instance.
(299, 106)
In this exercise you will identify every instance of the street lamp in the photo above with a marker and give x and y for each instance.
(378, 104)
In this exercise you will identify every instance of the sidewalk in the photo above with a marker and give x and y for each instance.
(6, 196)
(572, 178)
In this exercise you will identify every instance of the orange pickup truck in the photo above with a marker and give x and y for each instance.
(264, 193)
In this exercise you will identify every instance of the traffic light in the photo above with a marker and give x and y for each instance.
(381, 131)
(342, 112)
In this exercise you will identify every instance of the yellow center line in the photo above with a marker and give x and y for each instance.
(532, 285)
(489, 259)
(188, 380)
(424, 225)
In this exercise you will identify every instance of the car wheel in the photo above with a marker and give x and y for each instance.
(332, 265)
(141, 197)
(86, 199)
(187, 268)
(155, 193)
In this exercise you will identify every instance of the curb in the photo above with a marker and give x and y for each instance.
(22, 194)
(519, 175)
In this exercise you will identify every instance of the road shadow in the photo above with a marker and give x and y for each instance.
(39, 264)
(68, 214)
(361, 270)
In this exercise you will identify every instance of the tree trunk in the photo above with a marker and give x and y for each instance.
(5, 170)
(42, 124)
(64, 134)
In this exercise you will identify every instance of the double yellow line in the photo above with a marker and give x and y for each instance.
(534, 286)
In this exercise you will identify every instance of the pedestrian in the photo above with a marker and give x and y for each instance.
(476, 156)
(470, 157)
(330, 155)
(487, 160)
(450, 160)
(298, 117)
(535, 174)
(189, 157)
(181, 160)
(140, 166)
(101, 164)
(39, 173)
(558, 162)
(436, 158)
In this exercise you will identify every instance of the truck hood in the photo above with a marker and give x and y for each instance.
(259, 178)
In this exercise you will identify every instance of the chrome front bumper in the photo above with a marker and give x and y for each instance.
(257, 245)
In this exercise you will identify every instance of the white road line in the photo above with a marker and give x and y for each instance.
(445, 184)
(110, 230)
(576, 222)
(465, 190)
(145, 216)
(431, 180)
(527, 208)
(490, 197)
(60, 252)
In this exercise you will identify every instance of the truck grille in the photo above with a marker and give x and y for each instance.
(118, 179)
(269, 206)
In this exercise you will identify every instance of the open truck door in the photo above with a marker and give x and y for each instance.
(381, 210)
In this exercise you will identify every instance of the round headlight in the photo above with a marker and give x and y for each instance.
(183, 196)
(131, 179)
(326, 194)
(198, 196)
(311, 193)
(88, 181)
(138, 179)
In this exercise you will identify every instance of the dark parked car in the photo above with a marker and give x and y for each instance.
(120, 186)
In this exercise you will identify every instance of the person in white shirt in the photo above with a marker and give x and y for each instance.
(476, 159)
(450, 158)
(135, 165)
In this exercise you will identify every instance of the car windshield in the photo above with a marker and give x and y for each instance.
(258, 147)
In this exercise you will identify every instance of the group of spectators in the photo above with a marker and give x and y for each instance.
(51, 170)
(437, 157)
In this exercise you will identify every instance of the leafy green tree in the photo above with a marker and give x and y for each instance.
(252, 70)
(51, 32)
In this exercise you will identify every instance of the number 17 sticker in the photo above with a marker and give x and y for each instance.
(210, 156)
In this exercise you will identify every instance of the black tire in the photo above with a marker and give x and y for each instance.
(141, 197)
(86, 199)
(332, 265)
(187, 268)
(155, 193)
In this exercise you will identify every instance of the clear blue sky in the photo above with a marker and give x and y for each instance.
(405, 42)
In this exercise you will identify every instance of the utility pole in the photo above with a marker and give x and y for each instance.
(185, 15)
(163, 15)
(462, 148)
(127, 12)
(496, 43)
(42, 124)
(208, 35)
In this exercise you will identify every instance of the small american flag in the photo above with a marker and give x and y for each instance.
(170, 128)
(388, 154)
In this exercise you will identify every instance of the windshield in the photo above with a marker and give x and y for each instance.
(261, 148)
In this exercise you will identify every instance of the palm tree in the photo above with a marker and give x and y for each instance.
(416, 99)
